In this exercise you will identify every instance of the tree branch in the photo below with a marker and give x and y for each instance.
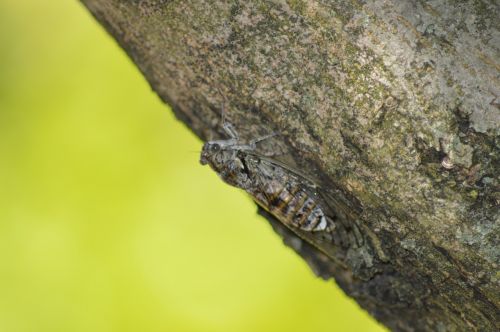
(391, 106)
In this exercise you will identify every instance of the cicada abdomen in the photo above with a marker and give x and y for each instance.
(291, 205)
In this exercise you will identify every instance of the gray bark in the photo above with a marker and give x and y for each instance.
(390, 104)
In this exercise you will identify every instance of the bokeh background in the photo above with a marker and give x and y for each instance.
(107, 220)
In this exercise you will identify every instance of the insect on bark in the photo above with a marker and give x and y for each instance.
(273, 186)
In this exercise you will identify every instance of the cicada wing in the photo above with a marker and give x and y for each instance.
(342, 231)
(346, 215)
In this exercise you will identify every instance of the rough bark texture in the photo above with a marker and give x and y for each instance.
(393, 104)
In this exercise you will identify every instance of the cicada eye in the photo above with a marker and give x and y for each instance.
(216, 147)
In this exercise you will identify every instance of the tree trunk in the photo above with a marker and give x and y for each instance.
(389, 105)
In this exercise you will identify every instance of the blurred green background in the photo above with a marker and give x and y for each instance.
(107, 220)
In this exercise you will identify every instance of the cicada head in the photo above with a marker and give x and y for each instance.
(214, 155)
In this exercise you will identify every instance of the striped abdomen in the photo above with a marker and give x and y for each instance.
(292, 206)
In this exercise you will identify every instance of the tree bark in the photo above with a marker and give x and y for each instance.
(391, 105)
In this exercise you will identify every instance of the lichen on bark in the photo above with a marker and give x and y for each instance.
(391, 105)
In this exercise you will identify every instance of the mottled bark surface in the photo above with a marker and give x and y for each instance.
(392, 105)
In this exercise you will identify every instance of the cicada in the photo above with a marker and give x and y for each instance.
(290, 197)
(328, 223)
